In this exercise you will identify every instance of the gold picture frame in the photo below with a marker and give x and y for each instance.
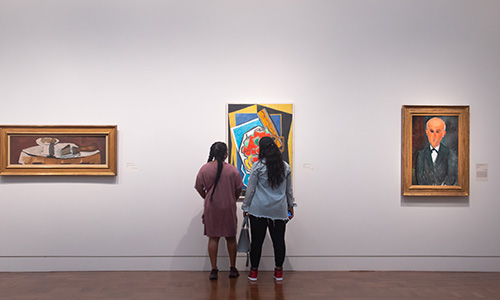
(443, 171)
(58, 150)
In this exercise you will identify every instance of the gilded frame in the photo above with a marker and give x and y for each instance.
(415, 139)
(58, 150)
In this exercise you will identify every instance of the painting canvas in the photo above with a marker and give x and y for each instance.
(58, 150)
(248, 123)
(435, 151)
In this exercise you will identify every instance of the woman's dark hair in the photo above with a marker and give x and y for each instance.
(218, 150)
(269, 151)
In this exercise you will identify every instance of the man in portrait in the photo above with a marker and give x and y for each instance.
(436, 164)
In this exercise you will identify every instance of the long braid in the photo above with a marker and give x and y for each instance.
(217, 151)
(211, 155)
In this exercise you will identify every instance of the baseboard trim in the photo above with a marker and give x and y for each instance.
(297, 263)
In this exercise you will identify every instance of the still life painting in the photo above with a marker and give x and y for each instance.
(58, 150)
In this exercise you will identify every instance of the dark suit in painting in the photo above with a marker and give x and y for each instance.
(443, 172)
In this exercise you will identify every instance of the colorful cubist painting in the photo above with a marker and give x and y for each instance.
(248, 123)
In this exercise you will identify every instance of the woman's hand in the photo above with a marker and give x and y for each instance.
(245, 214)
(290, 213)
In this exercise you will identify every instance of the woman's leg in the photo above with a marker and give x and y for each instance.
(277, 232)
(258, 227)
(231, 250)
(213, 248)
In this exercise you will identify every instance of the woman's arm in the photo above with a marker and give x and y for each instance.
(199, 185)
(289, 194)
(252, 184)
(238, 193)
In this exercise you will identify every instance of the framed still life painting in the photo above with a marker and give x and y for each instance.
(248, 123)
(58, 150)
(435, 151)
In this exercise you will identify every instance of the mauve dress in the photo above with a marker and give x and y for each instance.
(219, 215)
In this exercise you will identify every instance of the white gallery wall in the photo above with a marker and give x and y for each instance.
(163, 71)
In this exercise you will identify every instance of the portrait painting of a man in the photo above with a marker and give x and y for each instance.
(437, 163)
(435, 151)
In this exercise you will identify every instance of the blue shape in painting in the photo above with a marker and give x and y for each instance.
(243, 118)
(245, 123)
(238, 133)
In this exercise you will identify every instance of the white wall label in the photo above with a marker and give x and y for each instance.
(308, 166)
(132, 166)
(482, 172)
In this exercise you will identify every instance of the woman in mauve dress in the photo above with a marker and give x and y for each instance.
(220, 184)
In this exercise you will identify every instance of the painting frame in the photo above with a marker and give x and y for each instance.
(97, 159)
(414, 126)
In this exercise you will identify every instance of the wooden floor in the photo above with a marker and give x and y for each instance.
(296, 285)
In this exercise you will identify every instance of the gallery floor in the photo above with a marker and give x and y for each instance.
(296, 285)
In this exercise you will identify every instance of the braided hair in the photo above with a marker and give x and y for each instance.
(218, 150)
(269, 151)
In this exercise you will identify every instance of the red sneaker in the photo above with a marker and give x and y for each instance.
(278, 275)
(253, 274)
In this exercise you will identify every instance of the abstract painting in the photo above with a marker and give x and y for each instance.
(248, 123)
